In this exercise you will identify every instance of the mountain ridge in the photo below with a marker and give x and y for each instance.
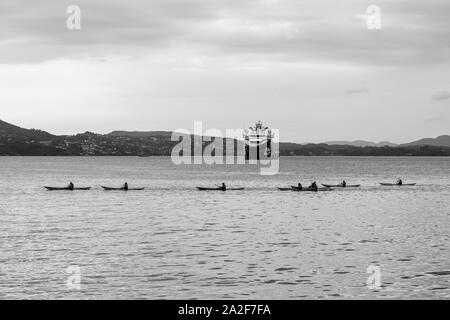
(8, 129)
(138, 134)
(362, 143)
(440, 141)
(15, 140)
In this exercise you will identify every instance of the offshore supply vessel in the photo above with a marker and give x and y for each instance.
(258, 141)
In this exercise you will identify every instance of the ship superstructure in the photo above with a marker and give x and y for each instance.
(258, 139)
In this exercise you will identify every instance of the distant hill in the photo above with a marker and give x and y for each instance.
(12, 131)
(361, 143)
(293, 149)
(140, 134)
(441, 141)
(17, 141)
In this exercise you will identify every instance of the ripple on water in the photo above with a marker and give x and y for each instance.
(172, 242)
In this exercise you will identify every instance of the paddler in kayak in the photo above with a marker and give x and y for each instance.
(70, 186)
(125, 186)
(344, 184)
(224, 187)
(399, 181)
(313, 186)
(300, 187)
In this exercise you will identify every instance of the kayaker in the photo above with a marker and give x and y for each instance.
(313, 186)
(224, 187)
(70, 186)
(125, 186)
(300, 187)
(399, 181)
(344, 184)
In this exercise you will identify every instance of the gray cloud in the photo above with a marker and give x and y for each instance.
(413, 31)
(356, 91)
(435, 119)
(441, 95)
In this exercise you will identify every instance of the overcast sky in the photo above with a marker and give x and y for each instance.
(311, 69)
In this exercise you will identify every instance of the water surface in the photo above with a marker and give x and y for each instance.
(173, 242)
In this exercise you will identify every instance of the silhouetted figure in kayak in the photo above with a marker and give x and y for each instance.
(224, 187)
(70, 186)
(300, 187)
(313, 186)
(399, 181)
(344, 184)
(125, 186)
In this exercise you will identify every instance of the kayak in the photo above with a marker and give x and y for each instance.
(294, 188)
(284, 189)
(217, 189)
(66, 188)
(341, 186)
(121, 189)
(396, 184)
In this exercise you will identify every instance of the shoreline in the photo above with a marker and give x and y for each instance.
(284, 156)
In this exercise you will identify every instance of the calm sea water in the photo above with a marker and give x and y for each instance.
(173, 242)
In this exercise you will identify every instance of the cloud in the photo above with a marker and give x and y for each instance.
(435, 119)
(441, 95)
(287, 31)
(356, 91)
